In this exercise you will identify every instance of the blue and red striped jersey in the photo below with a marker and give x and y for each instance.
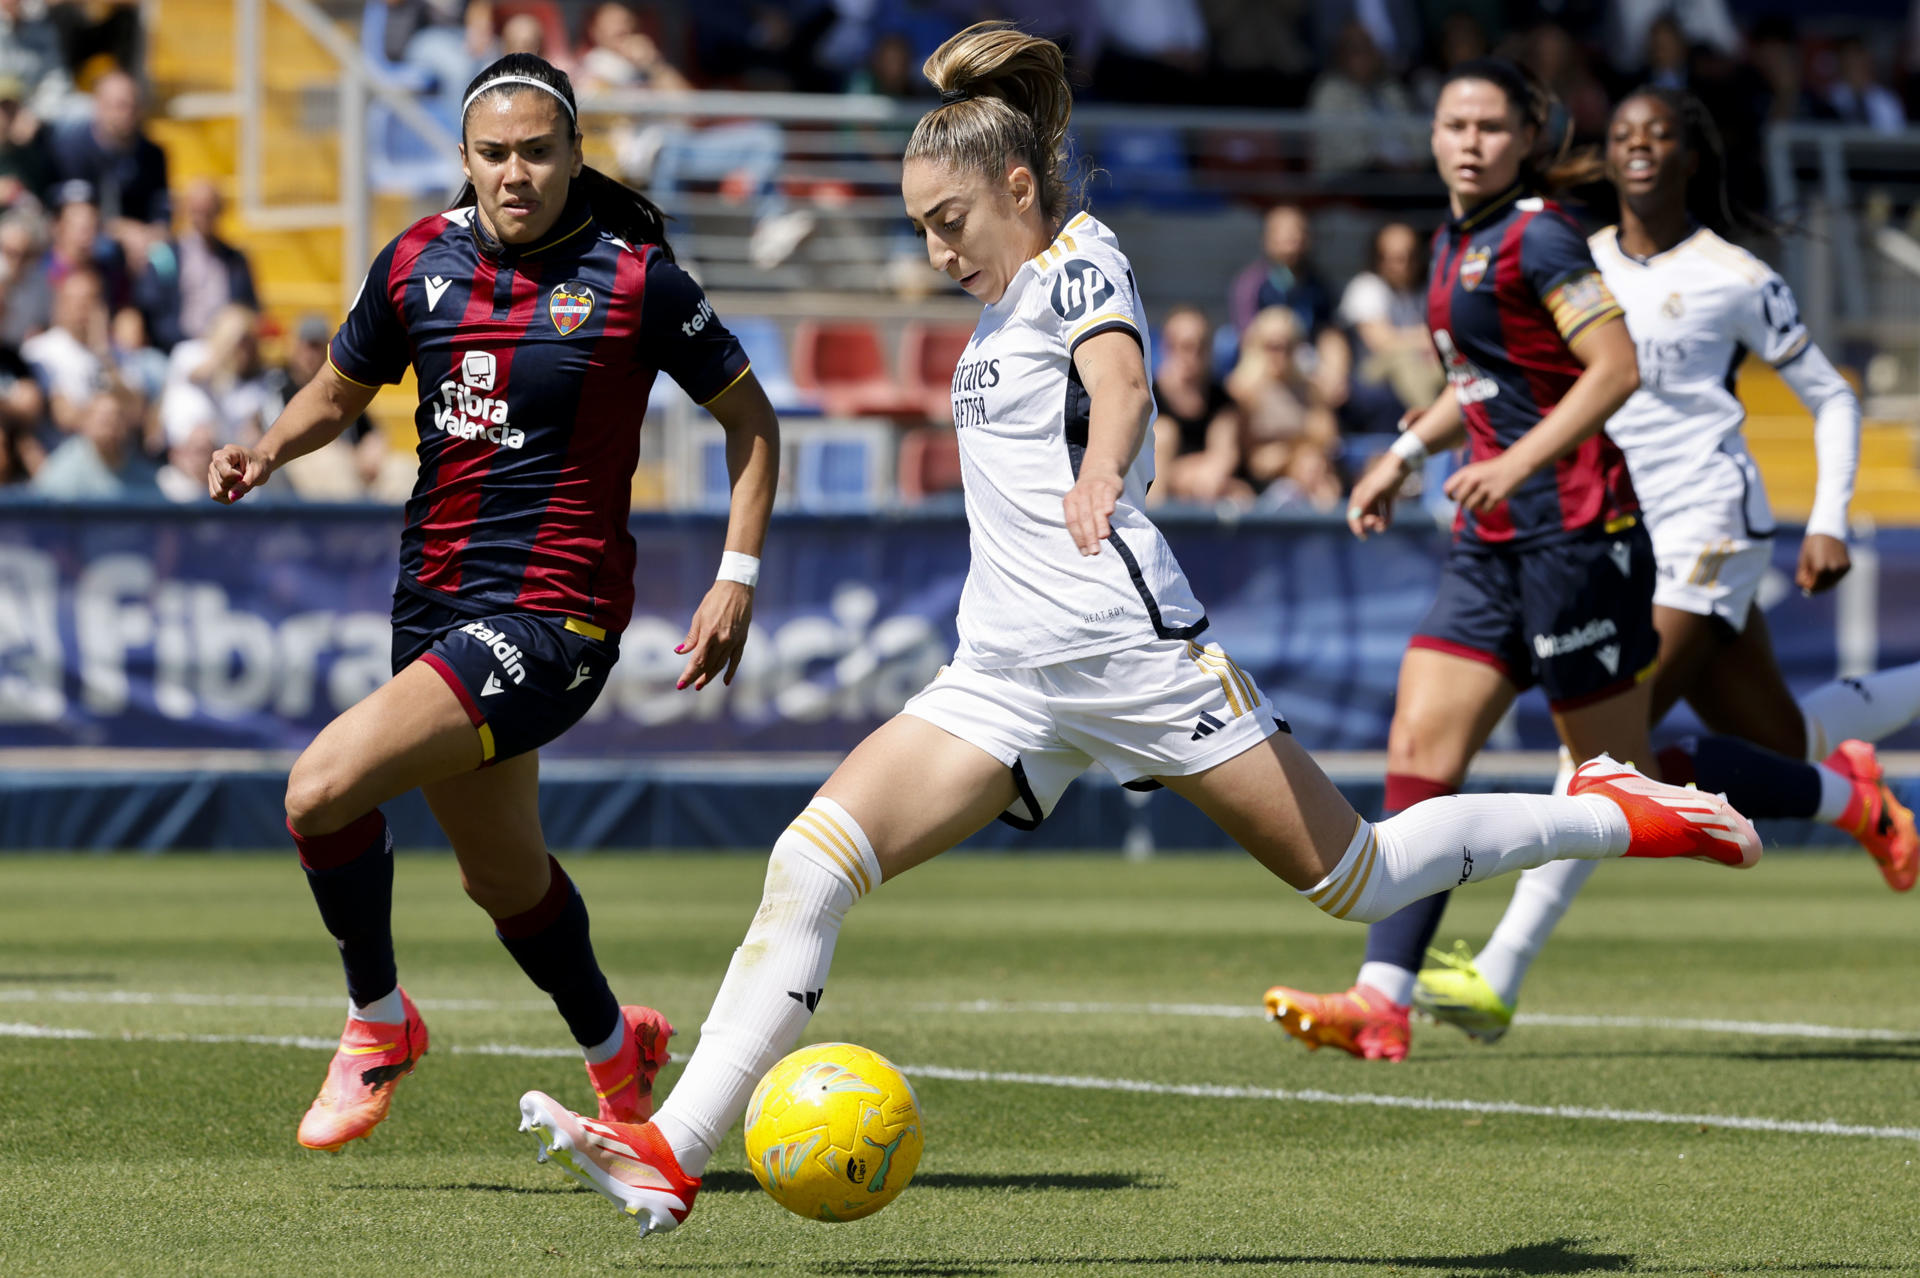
(534, 364)
(1513, 285)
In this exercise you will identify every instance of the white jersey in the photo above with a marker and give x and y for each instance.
(1694, 311)
(1031, 597)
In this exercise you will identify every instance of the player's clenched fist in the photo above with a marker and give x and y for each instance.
(234, 472)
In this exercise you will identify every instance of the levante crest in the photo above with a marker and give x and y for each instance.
(569, 304)
(1473, 267)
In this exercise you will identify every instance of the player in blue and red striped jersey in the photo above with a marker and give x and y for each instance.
(535, 314)
(1550, 577)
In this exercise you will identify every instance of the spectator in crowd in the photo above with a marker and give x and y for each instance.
(1288, 433)
(219, 379)
(26, 291)
(1285, 276)
(97, 34)
(357, 465)
(108, 150)
(26, 172)
(77, 243)
(1560, 64)
(1152, 51)
(1196, 438)
(1774, 50)
(186, 282)
(30, 54)
(524, 33)
(102, 460)
(1630, 22)
(1393, 27)
(1261, 54)
(1359, 84)
(134, 360)
(70, 358)
(1858, 97)
(23, 411)
(183, 477)
(619, 55)
(1385, 307)
(1074, 25)
(1667, 55)
(768, 45)
(891, 70)
(1459, 37)
(430, 46)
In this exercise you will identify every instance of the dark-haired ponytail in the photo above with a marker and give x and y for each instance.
(1554, 166)
(619, 210)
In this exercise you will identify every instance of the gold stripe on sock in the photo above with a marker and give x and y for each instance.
(825, 845)
(814, 821)
(1357, 882)
(847, 841)
(1326, 890)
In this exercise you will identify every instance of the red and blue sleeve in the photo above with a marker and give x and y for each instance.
(680, 334)
(1558, 266)
(371, 347)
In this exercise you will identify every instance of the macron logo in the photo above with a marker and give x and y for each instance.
(436, 286)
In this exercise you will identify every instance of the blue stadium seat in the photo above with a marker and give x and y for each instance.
(1147, 165)
(844, 467)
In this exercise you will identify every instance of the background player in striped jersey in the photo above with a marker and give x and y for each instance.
(1079, 642)
(1550, 577)
(1696, 305)
(535, 313)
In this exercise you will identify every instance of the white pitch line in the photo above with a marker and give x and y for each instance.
(1212, 1091)
(1236, 1011)
(18, 1029)
(1202, 1091)
(181, 999)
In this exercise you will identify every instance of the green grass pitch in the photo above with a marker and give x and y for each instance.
(162, 1142)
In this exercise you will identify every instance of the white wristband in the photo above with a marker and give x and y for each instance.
(1409, 448)
(735, 566)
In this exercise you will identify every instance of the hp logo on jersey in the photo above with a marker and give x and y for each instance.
(1079, 288)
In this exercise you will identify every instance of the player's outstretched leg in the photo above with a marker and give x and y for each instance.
(1848, 792)
(1868, 708)
(920, 790)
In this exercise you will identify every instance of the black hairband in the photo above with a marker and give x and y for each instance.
(952, 96)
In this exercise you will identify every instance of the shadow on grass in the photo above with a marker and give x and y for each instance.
(740, 1182)
(470, 1187)
(46, 978)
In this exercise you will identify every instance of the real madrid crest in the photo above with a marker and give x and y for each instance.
(569, 305)
(1473, 267)
(1673, 308)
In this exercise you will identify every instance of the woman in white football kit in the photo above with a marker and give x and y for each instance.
(1080, 642)
(1696, 305)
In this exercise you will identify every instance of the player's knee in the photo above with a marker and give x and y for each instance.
(315, 799)
(822, 861)
(1421, 744)
(503, 891)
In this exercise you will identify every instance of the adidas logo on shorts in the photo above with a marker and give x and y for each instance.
(1206, 727)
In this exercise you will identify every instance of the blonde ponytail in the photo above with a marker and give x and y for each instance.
(1003, 97)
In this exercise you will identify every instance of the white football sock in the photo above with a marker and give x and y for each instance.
(820, 866)
(382, 1011)
(1836, 792)
(1869, 708)
(606, 1050)
(1563, 775)
(1540, 899)
(1444, 843)
(1391, 979)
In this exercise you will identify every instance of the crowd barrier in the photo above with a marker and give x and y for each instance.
(248, 629)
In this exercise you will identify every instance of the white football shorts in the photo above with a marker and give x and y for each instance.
(1170, 707)
(1708, 563)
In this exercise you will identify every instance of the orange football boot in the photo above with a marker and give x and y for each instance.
(373, 1057)
(1670, 820)
(1362, 1021)
(1883, 825)
(624, 1083)
(629, 1163)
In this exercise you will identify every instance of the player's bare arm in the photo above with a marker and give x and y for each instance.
(718, 633)
(312, 419)
(1115, 375)
(1370, 506)
(1612, 375)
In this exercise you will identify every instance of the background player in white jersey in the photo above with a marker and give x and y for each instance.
(1696, 305)
(1079, 643)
